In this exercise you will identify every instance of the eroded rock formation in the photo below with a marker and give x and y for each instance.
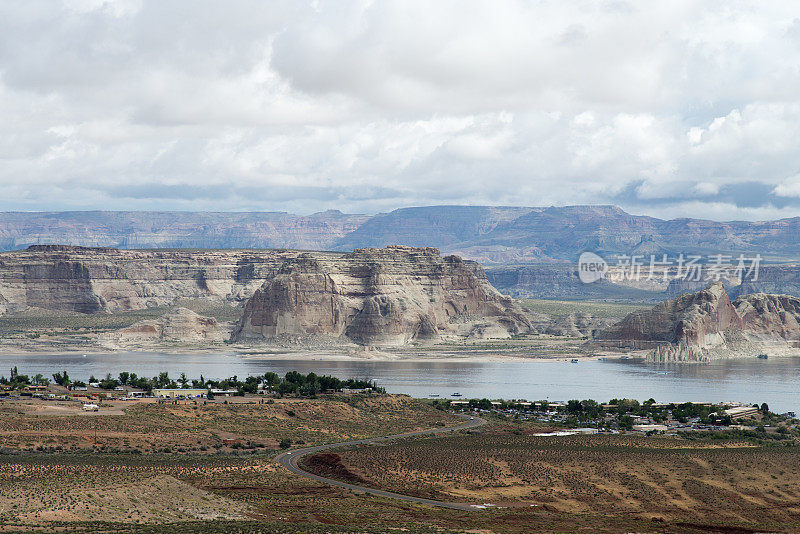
(707, 324)
(393, 295)
(181, 325)
(91, 280)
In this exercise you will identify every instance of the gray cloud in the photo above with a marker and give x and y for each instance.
(747, 195)
(673, 109)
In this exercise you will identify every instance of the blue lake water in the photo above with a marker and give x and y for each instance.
(775, 381)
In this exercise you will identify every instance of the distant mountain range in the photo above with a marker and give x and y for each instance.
(490, 234)
(176, 229)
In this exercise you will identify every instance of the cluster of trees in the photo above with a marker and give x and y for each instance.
(486, 404)
(293, 383)
(626, 409)
(18, 381)
(311, 384)
(623, 411)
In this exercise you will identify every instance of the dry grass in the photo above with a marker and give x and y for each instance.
(612, 475)
(580, 485)
(208, 428)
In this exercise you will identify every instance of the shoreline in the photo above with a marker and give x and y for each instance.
(540, 349)
(302, 355)
(448, 354)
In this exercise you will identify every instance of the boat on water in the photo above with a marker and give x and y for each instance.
(762, 357)
(456, 394)
(433, 395)
(574, 360)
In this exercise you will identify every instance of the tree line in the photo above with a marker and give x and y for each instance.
(292, 383)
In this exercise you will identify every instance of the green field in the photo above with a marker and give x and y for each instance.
(556, 308)
(50, 321)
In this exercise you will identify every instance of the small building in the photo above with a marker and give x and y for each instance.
(224, 392)
(742, 411)
(179, 393)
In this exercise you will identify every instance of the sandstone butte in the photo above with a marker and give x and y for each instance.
(387, 296)
(370, 296)
(707, 325)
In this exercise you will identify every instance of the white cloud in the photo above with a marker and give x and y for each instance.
(789, 187)
(371, 105)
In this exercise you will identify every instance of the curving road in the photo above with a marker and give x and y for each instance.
(289, 461)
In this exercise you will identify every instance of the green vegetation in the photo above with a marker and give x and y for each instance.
(623, 414)
(39, 321)
(293, 383)
(557, 308)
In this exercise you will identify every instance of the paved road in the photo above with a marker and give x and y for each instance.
(289, 461)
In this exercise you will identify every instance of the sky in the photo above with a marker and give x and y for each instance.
(671, 109)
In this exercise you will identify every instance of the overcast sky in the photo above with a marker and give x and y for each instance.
(678, 108)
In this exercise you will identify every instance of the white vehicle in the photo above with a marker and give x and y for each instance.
(90, 407)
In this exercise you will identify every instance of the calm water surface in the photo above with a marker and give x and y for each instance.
(775, 381)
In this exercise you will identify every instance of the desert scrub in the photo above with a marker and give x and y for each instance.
(673, 478)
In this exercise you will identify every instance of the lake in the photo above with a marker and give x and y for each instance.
(775, 381)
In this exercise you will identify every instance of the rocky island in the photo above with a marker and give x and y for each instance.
(708, 325)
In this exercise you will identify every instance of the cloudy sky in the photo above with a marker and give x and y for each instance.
(679, 108)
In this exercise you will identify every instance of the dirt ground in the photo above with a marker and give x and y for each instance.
(648, 478)
(149, 467)
(243, 424)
